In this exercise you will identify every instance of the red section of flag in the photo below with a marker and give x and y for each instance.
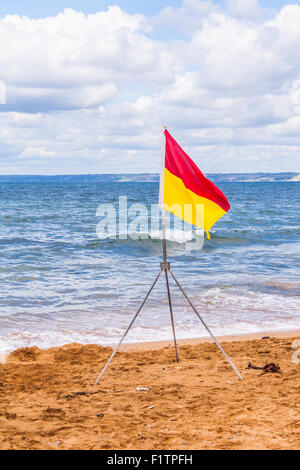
(180, 165)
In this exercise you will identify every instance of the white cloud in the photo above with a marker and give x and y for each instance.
(2, 92)
(62, 60)
(249, 9)
(89, 93)
(37, 99)
(186, 18)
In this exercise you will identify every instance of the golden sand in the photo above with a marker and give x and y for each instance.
(198, 403)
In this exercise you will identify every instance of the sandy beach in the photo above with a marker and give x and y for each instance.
(48, 401)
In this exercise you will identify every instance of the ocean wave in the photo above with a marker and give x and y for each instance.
(110, 337)
(60, 283)
(238, 238)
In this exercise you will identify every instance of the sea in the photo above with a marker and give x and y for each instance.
(62, 281)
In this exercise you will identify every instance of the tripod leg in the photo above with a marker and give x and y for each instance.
(205, 325)
(171, 313)
(130, 325)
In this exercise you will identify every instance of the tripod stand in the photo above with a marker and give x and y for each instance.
(165, 266)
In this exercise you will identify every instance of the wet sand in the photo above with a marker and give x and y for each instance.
(48, 401)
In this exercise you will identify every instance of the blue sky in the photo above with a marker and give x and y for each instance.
(88, 94)
(43, 8)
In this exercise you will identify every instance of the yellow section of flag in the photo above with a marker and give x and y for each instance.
(187, 205)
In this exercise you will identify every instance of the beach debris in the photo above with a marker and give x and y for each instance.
(142, 389)
(150, 407)
(270, 367)
(53, 444)
(52, 412)
(10, 415)
(266, 337)
(100, 415)
(76, 394)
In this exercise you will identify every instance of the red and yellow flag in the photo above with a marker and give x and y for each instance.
(186, 192)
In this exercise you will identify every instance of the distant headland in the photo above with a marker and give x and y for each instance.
(144, 177)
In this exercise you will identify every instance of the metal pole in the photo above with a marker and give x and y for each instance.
(164, 241)
(165, 265)
(171, 313)
(205, 325)
(130, 325)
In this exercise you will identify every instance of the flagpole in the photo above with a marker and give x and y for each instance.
(164, 241)
(165, 265)
(171, 313)
(161, 193)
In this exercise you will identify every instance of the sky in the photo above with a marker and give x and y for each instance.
(86, 85)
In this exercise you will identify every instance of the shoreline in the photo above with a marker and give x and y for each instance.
(154, 345)
(158, 344)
